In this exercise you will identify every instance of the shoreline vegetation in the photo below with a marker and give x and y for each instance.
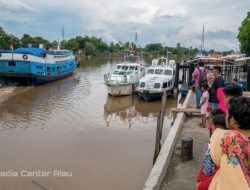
(92, 46)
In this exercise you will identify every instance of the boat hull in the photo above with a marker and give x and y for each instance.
(122, 90)
(150, 96)
(27, 79)
(147, 96)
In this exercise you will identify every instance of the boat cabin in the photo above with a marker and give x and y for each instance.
(158, 71)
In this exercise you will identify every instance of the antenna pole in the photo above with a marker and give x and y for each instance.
(202, 46)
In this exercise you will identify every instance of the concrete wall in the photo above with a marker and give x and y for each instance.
(159, 170)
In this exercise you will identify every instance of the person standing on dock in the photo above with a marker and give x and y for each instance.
(199, 76)
(204, 105)
(217, 83)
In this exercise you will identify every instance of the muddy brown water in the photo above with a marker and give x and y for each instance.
(71, 127)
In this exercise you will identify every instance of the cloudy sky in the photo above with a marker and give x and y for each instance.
(165, 21)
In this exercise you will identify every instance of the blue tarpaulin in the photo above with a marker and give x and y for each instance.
(5, 51)
(32, 51)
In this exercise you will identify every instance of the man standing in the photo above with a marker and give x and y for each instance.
(197, 76)
(218, 83)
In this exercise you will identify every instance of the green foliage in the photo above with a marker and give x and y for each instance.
(156, 48)
(244, 35)
(35, 41)
(70, 44)
(7, 39)
(89, 48)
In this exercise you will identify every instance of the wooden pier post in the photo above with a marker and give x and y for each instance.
(176, 82)
(160, 121)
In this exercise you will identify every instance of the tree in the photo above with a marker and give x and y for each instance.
(14, 41)
(244, 35)
(89, 48)
(81, 41)
(4, 39)
(71, 44)
(26, 39)
(157, 47)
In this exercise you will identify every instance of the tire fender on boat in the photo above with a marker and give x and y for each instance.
(25, 56)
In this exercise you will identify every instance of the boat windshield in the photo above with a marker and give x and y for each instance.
(159, 71)
(131, 68)
(168, 72)
(122, 72)
(124, 68)
(150, 71)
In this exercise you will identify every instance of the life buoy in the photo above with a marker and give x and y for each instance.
(25, 56)
(44, 55)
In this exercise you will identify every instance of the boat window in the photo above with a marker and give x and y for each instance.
(121, 73)
(131, 68)
(150, 71)
(124, 68)
(115, 72)
(169, 83)
(158, 71)
(142, 84)
(157, 85)
(168, 72)
(162, 62)
(165, 85)
(118, 67)
(129, 72)
(12, 63)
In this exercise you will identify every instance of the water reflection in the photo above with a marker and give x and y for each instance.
(37, 103)
(127, 107)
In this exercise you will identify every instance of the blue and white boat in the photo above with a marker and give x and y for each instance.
(159, 78)
(36, 66)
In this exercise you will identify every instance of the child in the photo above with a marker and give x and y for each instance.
(214, 113)
(219, 121)
(204, 104)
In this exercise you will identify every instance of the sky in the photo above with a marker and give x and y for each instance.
(155, 21)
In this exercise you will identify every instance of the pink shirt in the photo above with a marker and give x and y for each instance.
(220, 95)
(196, 75)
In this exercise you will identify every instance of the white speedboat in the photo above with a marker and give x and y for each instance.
(159, 78)
(125, 79)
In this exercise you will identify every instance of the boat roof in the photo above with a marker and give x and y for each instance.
(242, 59)
(128, 64)
(161, 67)
(32, 51)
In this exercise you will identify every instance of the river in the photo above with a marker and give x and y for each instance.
(72, 126)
